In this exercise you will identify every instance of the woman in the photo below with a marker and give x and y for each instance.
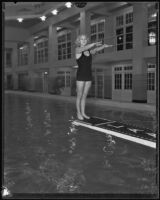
(84, 54)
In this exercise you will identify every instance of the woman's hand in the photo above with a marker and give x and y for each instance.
(98, 43)
(107, 45)
(75, 67)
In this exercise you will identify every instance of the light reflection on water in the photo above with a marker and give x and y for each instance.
(46, 153)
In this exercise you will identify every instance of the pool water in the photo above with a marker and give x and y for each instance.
(45, 153)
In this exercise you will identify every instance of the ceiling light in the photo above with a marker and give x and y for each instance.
(68, 4)
(20, 19)
(54, 12)
(154, 15)
(43, 18)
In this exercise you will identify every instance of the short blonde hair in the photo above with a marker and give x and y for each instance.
(78, 40)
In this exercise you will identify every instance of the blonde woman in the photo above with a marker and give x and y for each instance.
(83, 53)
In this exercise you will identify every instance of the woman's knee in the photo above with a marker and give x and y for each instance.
(79, 94)
(84, 95)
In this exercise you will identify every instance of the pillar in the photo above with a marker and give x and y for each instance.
(53, 56)
(14, 66)
(139, 92)
(52, 45)
(85, 23)
(109, 37)
(31, 52)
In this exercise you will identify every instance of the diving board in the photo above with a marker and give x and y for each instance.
(129, 132)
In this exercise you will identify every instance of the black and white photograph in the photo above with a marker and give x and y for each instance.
(80, 100)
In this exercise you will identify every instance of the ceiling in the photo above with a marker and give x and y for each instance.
(31, 11)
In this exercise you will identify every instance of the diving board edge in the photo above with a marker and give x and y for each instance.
(117, 134)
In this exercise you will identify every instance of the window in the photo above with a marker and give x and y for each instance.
(68, 79)
(97, 32)
(123, 77)
(124, 34)
(128, 77)
(23, 55)
(128, 81)
(41, 51)
(100, 83)
(65, 78)
(8, 57)
(64, 46)
(150, 80)
(97, 88)
(120, 39)
(129, 37)
(119, 20)
(151, 77)
(129, 17)
(152, 24)
(152, 33)
(118, 81)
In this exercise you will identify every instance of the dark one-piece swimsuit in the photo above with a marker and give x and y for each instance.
(84, 72)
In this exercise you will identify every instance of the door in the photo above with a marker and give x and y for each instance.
(151, 83)
(122, 83)
(9, 82)
(97, 88)
(22, 81)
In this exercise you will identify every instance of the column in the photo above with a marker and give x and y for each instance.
(139, 92)
(109, 37)
(74, 63)
(53, 56)
(31, 52)
(52, 45)
(85, 23)
(14, 66)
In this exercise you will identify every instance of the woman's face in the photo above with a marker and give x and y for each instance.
(83, 41)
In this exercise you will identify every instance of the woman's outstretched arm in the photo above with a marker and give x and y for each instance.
(93, 51)
(88, 46)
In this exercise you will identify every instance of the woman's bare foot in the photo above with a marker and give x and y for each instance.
(79, 116)
(86, 116)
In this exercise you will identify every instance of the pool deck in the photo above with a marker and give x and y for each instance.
(98, 102)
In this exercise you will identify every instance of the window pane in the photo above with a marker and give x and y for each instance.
(119, 20)
(101, 27)
(93, 38)
(118, 81)
(93, 29)
(68, 36)
(119, 31)
(129, 29)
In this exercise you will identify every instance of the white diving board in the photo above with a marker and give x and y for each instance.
(132, 133)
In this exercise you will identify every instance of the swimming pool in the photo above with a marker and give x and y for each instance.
(45, 153)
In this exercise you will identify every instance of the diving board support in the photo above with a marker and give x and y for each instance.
(117, 134)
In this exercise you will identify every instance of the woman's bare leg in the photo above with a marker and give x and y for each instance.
(83, 99)
(80, 87)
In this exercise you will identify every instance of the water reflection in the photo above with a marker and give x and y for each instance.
(72, 140)
(47, 122)
(72, 181)
(72, 159)
(28, 116)
(110, 145)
